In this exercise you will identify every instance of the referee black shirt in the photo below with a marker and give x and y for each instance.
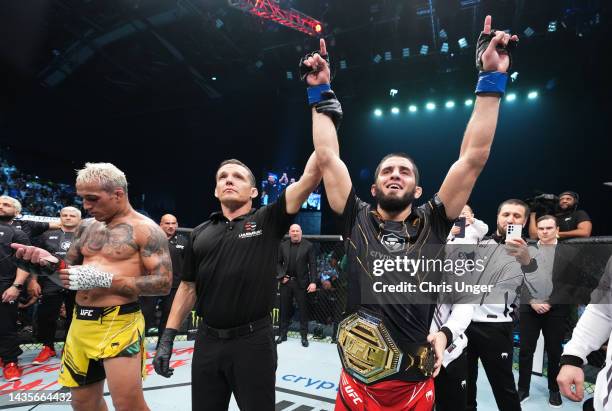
(233, 264)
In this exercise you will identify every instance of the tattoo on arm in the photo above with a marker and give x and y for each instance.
(158, 265)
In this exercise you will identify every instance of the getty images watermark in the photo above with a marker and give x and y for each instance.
(415, 267)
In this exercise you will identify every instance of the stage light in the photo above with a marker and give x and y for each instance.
(377, 58)
(343, 65)
(289, 75)
(430, 106)
(214, 79)
(529, 32)
(443, 34)
(514, 76)
(219, 23)
(463, 42)
(468, 102)
(318, 28)
(532, 95)
(424, 49)
(552, 26)
(393, 92)
(444, 48)
(449, 104)
(395, 110)
(405, 52)
(511, 97)
(412, 108)
(378, 112)
(387, 56)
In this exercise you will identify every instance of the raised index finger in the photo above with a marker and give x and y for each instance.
(323, 48)
(487, 25)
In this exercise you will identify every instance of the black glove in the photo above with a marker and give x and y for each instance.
(483, 43)
(331, 107)
(161, 362)
(304, 69)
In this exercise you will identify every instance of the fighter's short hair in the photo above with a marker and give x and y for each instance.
(106, 175)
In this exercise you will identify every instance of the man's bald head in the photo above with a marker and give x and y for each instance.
(169, 224)
(295, 233)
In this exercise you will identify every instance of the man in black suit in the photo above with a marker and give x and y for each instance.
(296, 271)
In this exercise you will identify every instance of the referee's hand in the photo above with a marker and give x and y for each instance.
(161, 362)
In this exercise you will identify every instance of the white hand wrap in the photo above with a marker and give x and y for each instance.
(86, 277)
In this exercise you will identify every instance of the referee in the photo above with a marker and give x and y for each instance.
(229, 275)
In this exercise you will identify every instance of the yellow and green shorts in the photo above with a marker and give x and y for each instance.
(98, 333)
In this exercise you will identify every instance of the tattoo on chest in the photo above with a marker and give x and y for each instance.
(115, 240)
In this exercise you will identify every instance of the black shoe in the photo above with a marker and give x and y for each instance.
(304, 342)
(334, 340)
(280, 339)
(523, 396)
(554, 399)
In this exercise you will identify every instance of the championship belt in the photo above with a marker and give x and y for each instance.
(369, 354)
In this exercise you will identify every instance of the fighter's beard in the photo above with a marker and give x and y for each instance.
(392, 204)
(5, 218)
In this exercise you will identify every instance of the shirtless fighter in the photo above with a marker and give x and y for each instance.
(114, 258)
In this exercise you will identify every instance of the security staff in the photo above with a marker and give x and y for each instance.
(52, 294)
(11, 284)
(229, 275)
(297, 275)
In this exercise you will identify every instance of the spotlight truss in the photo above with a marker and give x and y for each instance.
(269, 10)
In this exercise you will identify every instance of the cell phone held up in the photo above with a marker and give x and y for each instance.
(460, 222)
(513, 231)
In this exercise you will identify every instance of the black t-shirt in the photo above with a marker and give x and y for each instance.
(176, 245)
(569, 221)
(57, 242)
(8, 270)
(233, 264)
(30, 228)
(422, 235)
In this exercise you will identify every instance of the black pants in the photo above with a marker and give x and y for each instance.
(553, 326)
(9, 344)
(492, 343)
(451, 385)
(48, 313)
(244, 366)
(148, 305)
(287, 292)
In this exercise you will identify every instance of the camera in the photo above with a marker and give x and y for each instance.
(543, 204)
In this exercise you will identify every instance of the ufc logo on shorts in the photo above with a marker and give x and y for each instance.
(352, 394)
(86, 313)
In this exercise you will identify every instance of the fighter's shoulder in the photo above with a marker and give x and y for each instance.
(145, 229)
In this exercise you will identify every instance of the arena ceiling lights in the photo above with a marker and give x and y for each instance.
(270, 10)
(449, 105)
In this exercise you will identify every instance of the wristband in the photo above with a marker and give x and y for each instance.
(571, 360)
(493, 82)
(315, 93)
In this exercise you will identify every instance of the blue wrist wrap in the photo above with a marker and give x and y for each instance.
(491, 82)
(314, 93)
